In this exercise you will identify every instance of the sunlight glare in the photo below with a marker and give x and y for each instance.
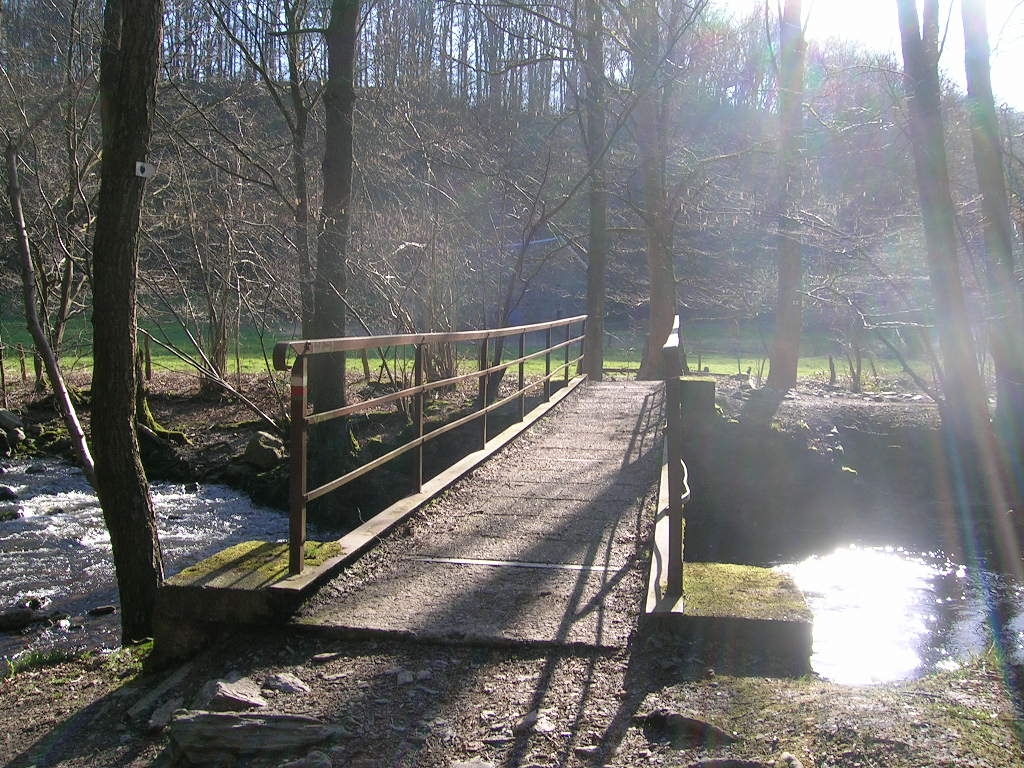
(868, 622)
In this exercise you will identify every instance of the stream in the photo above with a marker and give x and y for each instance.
(57, 551)
(883, 614)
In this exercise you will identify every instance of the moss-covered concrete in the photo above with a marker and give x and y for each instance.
(739, 610)
(742, 608)
(229, 589)
(745, 591)
(250, 565)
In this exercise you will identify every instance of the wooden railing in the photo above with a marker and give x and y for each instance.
(678, 486)
(302, 417)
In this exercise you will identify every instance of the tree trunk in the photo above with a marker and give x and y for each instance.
(1005, 308)
(327, 372)
(657, 219)
(298, 132)
(785, 354)
(597, 251)
(965, 410)
(128, 70)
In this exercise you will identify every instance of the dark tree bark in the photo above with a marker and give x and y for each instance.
(128, 70)
(1005, 307)
(650, 138)
(299, 128)
(594, 108)
(327, 372)
(965, 410)
(785, 354)
(339, 101)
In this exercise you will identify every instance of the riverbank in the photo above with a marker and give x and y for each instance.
(400, 704)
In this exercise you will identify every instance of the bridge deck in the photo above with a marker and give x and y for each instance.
(542, 545)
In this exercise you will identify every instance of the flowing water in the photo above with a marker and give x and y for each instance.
(884, 614)
(58, 551)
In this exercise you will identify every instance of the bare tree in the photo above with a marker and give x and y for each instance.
(1005, 307)
(785, 353)
(42, 342)
(652, 149)
(655, 47)
(595, 136)
(965, 410)
(327, 377)
(128, 71)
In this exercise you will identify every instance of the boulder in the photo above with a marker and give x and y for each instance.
(7, 493)
(230, 696)
(12, 432)
(10, 421)
(162, 715)
(285, 682)
(156, 698)
(11, 439)
(206, 737)
(17, 618)
(264, 451)
(682, 732)
(161, 458)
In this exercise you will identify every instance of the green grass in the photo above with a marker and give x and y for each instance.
(76, 352)
(38, 659)
(708, 345)
(719, 348)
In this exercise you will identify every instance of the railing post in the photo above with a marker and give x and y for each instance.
(568, 335)
(299, 469)
(671, 367)
(418, 407)
(547, 364)
(581, 366)
(522, 376)
(483, 393)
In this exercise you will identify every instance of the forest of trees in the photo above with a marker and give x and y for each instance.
(473, 163)
(506, 157)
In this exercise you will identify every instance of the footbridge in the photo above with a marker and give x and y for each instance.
(561, 528)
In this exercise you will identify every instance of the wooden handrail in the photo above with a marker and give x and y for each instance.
(356, 343)
(302, 418)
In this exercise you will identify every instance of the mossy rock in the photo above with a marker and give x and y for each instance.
(251, 565)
